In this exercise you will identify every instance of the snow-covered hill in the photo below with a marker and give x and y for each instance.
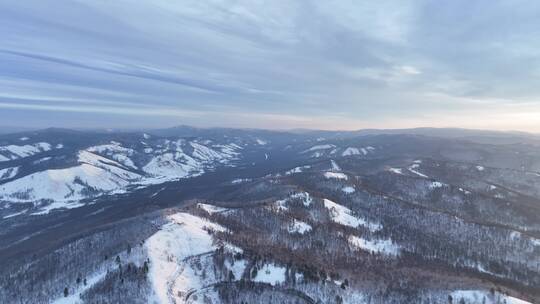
(107, 168)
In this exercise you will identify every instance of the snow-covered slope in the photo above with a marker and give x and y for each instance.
(115, 151)
(67, 184)
(108, 168)
(481, 297)
(185, 236)
(344, 216)
(11, 152)
(357, 151)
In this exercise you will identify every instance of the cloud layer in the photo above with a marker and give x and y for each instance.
(270, 64)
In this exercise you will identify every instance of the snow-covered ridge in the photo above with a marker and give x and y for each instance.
(350, 151)
(184, 236)
(12, 152)
(170, 159)
(111, 168)
(106, 164)
(172, 166)
(211, 209)
(261, 142)
(115, 151)
(93, 174)
(241, 180)
(357, 151)
(319, 147)
(181, 159)
(396, 170)
(414, 169)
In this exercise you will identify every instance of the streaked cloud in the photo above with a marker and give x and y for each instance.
(318, 64)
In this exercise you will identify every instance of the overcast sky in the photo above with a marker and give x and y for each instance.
(270, 64)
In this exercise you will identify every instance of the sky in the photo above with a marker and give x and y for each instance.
(270, 64)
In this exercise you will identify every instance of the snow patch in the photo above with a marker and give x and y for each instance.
(41, 160)
(480, 297)
(334, 165)
(240, 180)
(297, 170)
(435, 185)
(343, 215)
(375, 246)
(58, 205)
(416, 166)
(271, 274)
(335, 175)
(237, 268)
(317, 154)
(319, 147)
(15, 214)
(348, 189)
(303, 196)
(300, 227)
(465, 191)
(396, 170)
(211, 209)
(350, 151)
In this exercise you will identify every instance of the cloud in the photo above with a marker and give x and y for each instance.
(328, 64)
(407, 69)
